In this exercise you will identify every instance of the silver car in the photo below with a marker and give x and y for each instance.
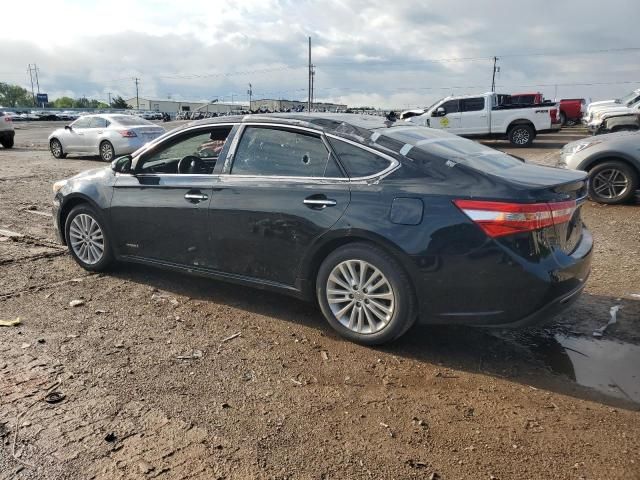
(613, 163)
(106, 135)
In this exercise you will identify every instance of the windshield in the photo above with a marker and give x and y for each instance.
(130, 120)
(443, 146)
(629, 98)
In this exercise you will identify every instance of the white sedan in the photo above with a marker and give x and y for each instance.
(106, 135)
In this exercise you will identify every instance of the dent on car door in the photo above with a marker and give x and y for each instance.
(280, 193)
(160, 211)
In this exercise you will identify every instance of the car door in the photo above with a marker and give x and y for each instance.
(449, 119)
(74, 137)
(96, 128)
(159, 212)
(473, 116)
(278, 194)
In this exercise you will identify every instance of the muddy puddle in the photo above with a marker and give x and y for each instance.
(609, 366)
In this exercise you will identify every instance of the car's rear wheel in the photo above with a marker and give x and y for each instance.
(365, 294)
(106, 151)
(521, 135)
(56, 148)
(7, 142)
(87, 239)
(612, 182)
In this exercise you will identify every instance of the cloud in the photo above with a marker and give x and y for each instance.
(374, 52)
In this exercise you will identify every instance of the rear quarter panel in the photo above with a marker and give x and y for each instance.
(537, 115)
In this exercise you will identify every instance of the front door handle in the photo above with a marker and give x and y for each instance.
(319, 202)
(196, 197)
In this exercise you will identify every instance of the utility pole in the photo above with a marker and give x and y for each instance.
(313, 75)
(109, 98)
(137, 97)
(35, 70)
(250, 92)
(33, 95)
(493, 79)
(309, 99)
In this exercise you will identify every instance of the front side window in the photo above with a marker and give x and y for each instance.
(82, 122)
(450, 107)
(472, 104)
(357, 161)
(282, 153)
(194, 153)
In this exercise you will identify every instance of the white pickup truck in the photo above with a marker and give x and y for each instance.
(490, 115)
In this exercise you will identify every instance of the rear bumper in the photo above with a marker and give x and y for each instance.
(509, 291)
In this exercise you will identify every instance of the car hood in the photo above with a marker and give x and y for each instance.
(94, 173)
(607, 137)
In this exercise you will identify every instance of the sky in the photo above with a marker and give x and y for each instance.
(387, 54)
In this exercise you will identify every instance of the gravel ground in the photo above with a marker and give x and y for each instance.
(169, 376)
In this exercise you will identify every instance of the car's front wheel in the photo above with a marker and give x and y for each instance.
(56, 148)
(365, 294)
(87, 239)
(106, 151)
(612, 182)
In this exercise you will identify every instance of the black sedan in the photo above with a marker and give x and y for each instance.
(382, 224)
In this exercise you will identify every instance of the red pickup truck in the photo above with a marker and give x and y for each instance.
(571, 109)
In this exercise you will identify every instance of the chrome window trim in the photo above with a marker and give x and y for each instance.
(394, 164)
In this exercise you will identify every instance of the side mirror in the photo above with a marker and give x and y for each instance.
(68, 127)
(122, 164)
(439, 112)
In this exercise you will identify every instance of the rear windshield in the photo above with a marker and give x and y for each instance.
(130, 120)
(424, 144)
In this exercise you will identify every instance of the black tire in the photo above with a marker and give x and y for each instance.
(7, 142)
(55, 147)
(107, 153)
(617, 172)
(521, 135)
(404, 309)
(107, 256)
(563, 119)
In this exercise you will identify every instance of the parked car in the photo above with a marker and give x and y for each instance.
(105, 135)
(629, 99)
(7, 133)
(380, 224)
(571, 110)
(625, 122)
(600, 116)
(406, 114)
(485, 116)
(613, 163)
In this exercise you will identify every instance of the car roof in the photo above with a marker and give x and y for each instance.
(326, 122)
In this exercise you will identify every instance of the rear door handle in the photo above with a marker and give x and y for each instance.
(319, 202)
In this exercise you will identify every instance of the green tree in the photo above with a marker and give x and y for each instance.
(14, 96)
(63, 102)
(119, 102)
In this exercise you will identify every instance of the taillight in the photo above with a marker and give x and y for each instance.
(7, 119)
(128, 133)
(553, 113)
(498, 219)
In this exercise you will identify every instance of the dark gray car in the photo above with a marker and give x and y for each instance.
(613, 163)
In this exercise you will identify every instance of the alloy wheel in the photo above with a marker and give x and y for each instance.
(520, 136)
(86, 238)
(360, 296)
(106, 151)
(610, 183)
(56, 148)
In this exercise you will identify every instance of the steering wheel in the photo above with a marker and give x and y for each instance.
(191, 165)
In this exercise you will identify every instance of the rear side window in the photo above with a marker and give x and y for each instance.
(357, 161)
(275, 152)
(472, 104)
(130, 120)
(98, 122)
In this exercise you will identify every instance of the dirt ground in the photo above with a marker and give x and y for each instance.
(174, 377)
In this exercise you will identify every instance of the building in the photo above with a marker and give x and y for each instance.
(174, 106)
(273, 105)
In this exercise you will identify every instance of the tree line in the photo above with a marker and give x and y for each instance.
(15, 96)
